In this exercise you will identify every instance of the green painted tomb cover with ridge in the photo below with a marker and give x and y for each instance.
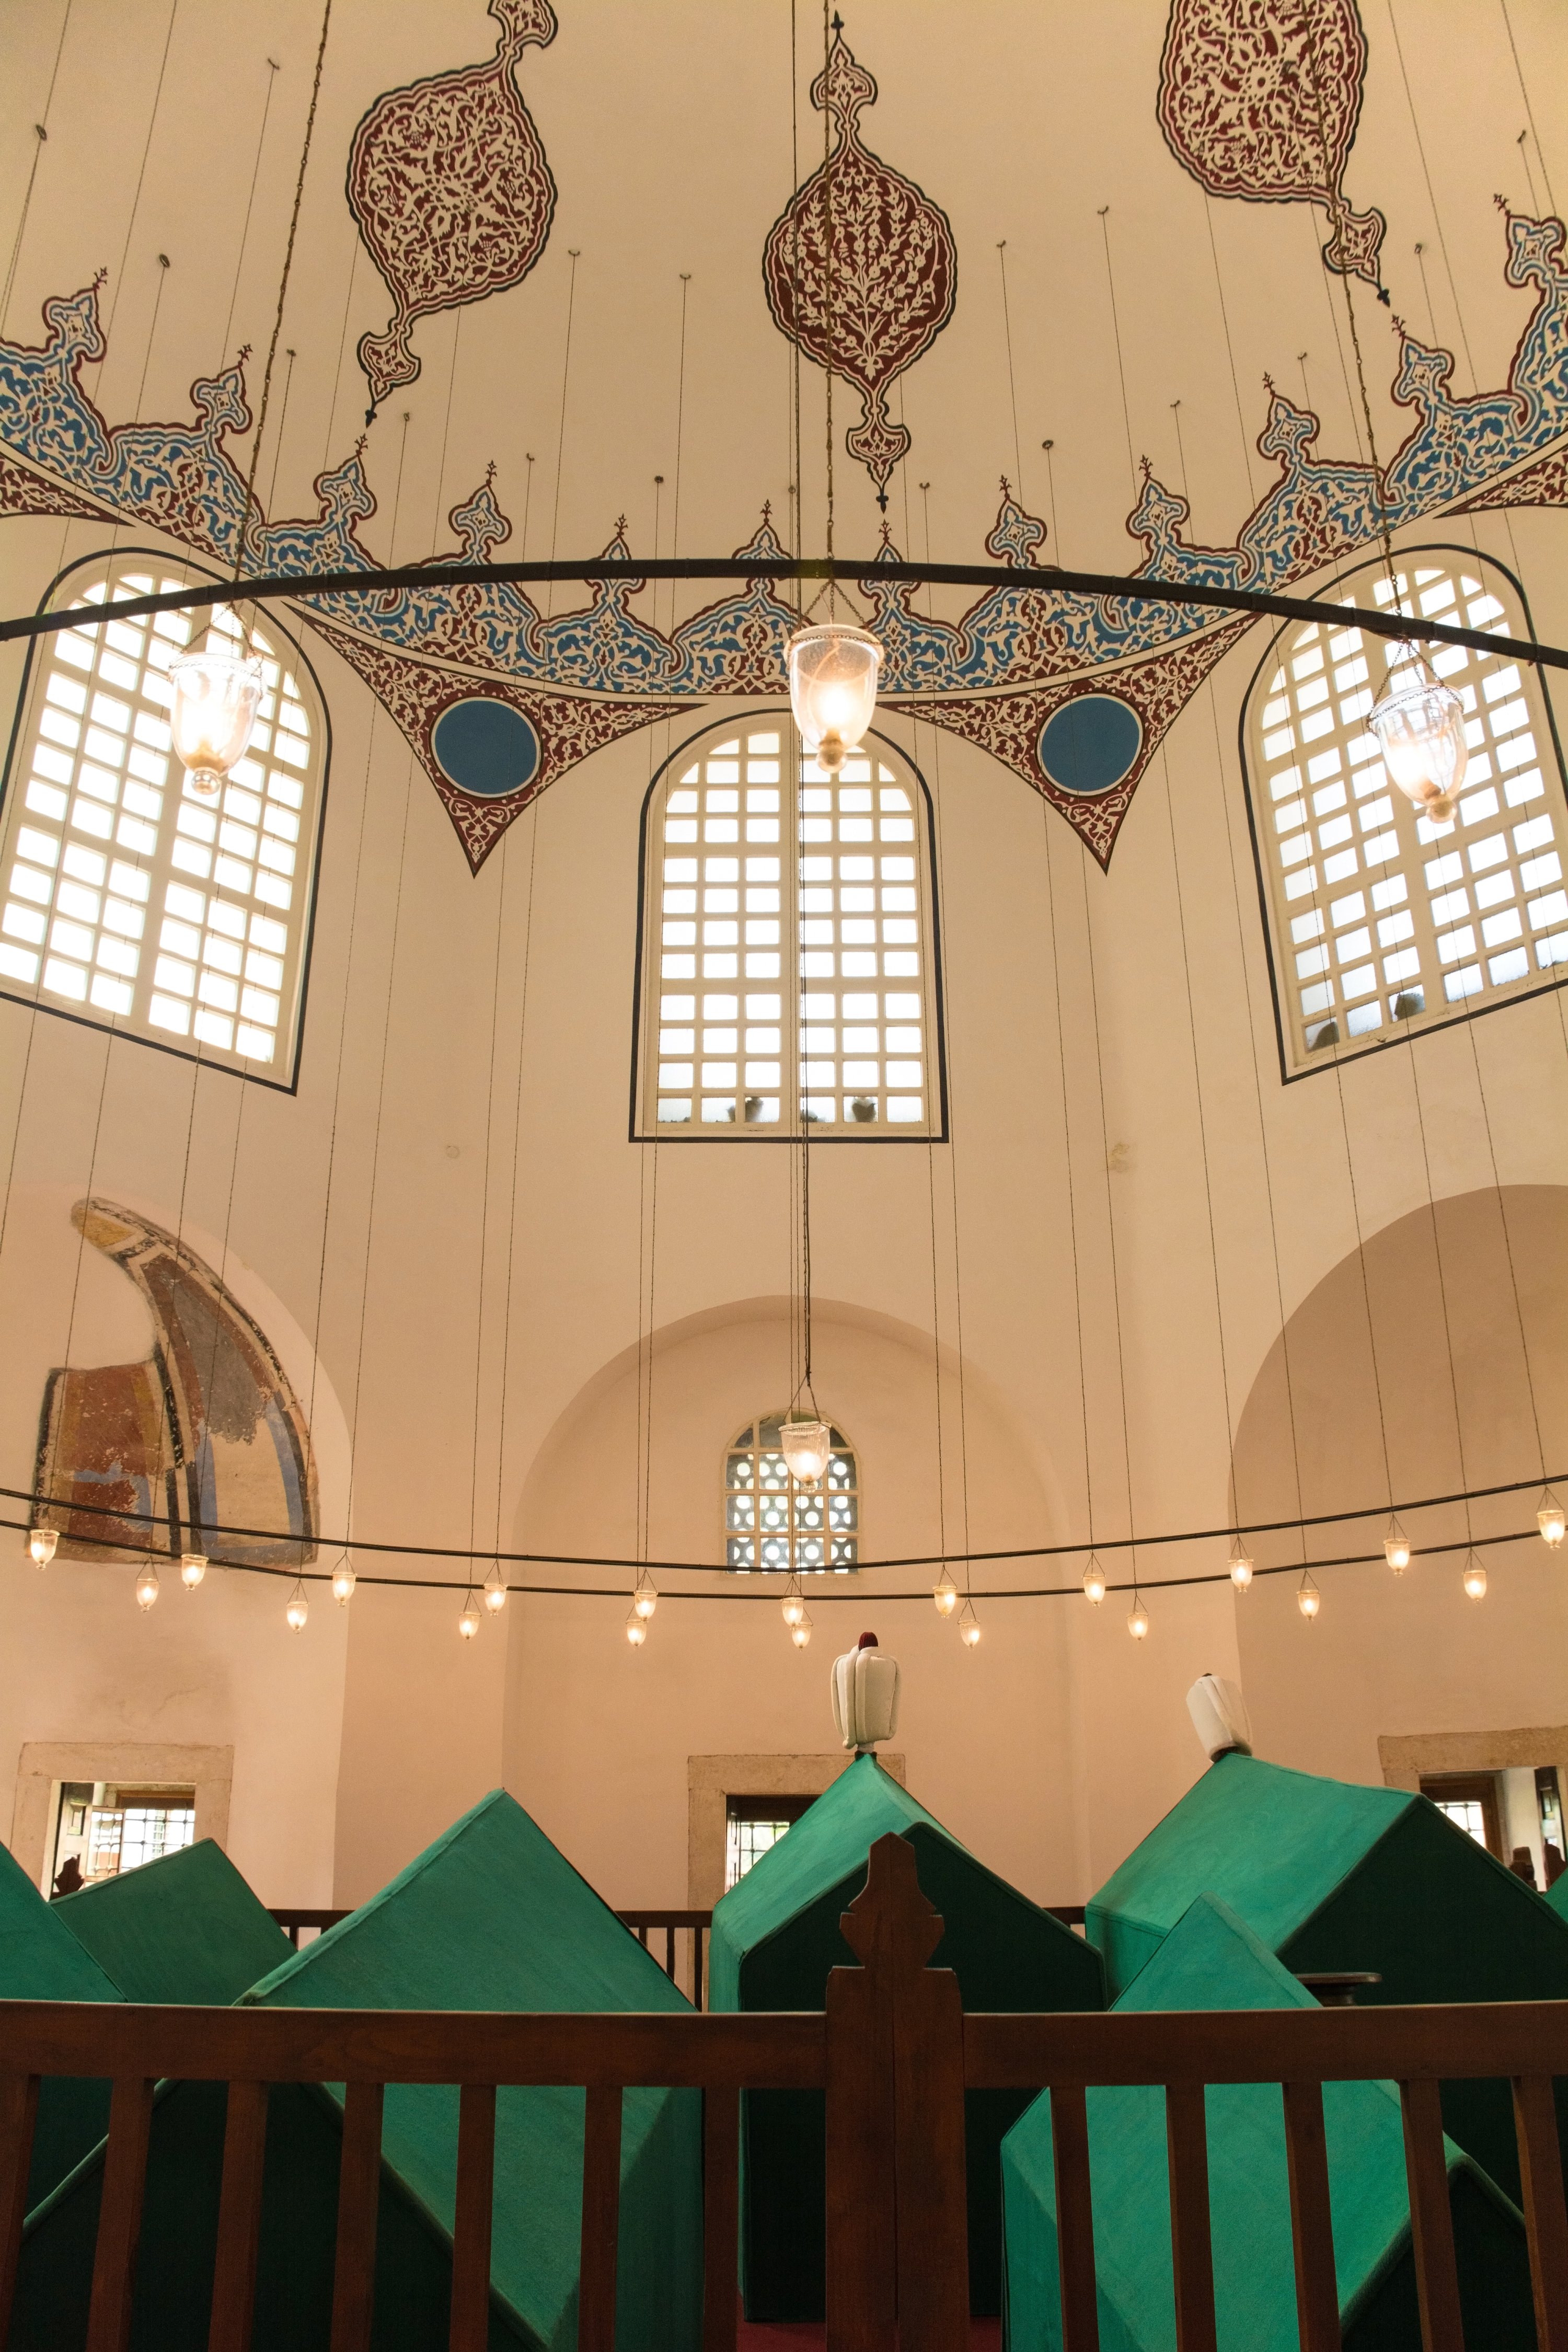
(1332, 1876)
(185, 1927)
(1210, 1959)
(40, 1959)
(775, 1936)
(490, 1917)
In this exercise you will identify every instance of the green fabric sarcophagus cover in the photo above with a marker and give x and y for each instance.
(40, 1959)
(1328, 1875)
(1210, 1959)
(185, 1927)
(491, 1917)
(775, 1936)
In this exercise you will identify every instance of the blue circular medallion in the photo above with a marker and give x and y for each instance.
(486, 746)
(1090, 744)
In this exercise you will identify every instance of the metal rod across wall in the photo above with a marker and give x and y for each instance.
(1398, 626)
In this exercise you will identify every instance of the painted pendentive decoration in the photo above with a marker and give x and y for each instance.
(207, 1432)
(1000, 676)
(861, 269)
(1259, 99)
(449, 185)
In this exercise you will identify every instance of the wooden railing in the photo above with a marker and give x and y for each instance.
(319, 1917)
(694, 1923)
(894, 2054)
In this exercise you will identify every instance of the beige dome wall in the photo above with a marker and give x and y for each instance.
(1391, 1657)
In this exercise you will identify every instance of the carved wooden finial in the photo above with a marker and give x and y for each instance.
(890, 1926)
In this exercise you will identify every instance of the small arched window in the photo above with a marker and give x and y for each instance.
(1379, 918)
(773, 1523)
(788, 975)
(127, 902)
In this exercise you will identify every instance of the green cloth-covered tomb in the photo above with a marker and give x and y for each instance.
(1329, 1875)
(41, 1960)
(775, 1936)
(490, 1917)
(185, 1927)
(1211, 1959)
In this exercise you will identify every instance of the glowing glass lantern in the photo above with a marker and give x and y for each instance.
(1421, 728)
(299, 1608)
(1396, 1548)
(495, 1591)
(468, 1622)
(1552, 1521)
(1138, 1617)
(1309, 1600)
(1094, 1582)
(193, 1568)
(1475, 1579)
(944, 1592)
(216, 697)
(793, 1605)
(343, 1582)
(1240, 1565)
(800, 1633)
(833, 672)
(969, 1626)
(41, 1543)
(147, 1587)
(644, 1596)
(806, 1446)
(637, 1629)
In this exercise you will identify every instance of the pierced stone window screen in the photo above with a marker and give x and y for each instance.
(1379, 918)
(772, 1524)
(789, 946)
(127, 902)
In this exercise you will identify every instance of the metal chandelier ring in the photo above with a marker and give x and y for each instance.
(1039, 578)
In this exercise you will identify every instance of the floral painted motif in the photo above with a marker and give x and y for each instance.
(1259, 99)
(860, 268)
(1001, 675)
(449, 185)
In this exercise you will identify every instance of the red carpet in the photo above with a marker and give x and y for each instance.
(755, 2335)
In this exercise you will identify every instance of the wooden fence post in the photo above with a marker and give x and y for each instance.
(897, 2224)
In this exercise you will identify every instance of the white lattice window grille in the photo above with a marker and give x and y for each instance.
(788, 972)
(1379, 918)
(128, 902)
(773, 1524)
(123, 1837)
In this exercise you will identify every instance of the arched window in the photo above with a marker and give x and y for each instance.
(772, 1522)
(128, 902)
(788, 968)
(1379, 918)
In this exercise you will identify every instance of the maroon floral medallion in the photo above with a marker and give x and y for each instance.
(1259, 99)
(449, 185)
(861, 269)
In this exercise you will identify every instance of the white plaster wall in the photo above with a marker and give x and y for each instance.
(379, 1204)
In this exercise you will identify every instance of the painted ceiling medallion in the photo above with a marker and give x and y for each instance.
(449, 185)
(860, 268)
(1259, 99)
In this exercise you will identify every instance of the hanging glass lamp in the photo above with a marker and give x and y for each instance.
(1551, 1519)
(193, 1568)
(343, 1582)
(794, 1604)
(969, 1626)
(644, 1596)
(944, 1592)
(833, 672)
(806, 1446)
(468, 1622)
(299, 1608)
(1475, 1578)
(1240, 1565)
(216, 697)
(1094, 1582)
(637, 1629)
(1309, 1600)
(1138, 1617)
(495, 1590)
(147, 1587)
(41, 1543)
(800, 1633)
(1396, 1548)
(1420, 726)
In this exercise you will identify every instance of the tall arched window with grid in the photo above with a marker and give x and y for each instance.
(1379, 920)
(788, 975)
(128, 902)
